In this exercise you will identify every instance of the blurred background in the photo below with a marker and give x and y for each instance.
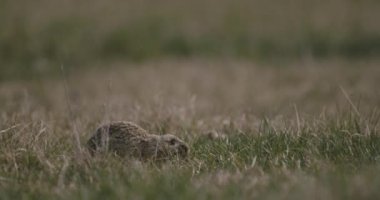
(37, 37)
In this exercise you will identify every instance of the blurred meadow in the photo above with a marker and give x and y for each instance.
(276, 99)
(38, 36)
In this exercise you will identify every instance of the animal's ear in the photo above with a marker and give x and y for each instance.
(172, 141)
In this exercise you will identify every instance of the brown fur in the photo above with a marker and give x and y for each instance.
(129, 139)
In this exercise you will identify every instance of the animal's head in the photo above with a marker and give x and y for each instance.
(168, 146)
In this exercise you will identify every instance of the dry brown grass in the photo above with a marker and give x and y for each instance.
(206, 94)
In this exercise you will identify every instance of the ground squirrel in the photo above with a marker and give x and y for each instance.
(129, 139)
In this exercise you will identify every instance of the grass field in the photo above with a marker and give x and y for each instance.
(301, 130)
(288, 88)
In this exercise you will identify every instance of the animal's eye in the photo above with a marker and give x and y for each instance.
(172, 142)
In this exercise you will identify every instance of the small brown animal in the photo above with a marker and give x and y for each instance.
(129, 139)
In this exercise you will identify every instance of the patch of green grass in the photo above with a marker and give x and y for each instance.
(287, 149)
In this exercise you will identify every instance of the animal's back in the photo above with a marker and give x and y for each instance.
(120, 137)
